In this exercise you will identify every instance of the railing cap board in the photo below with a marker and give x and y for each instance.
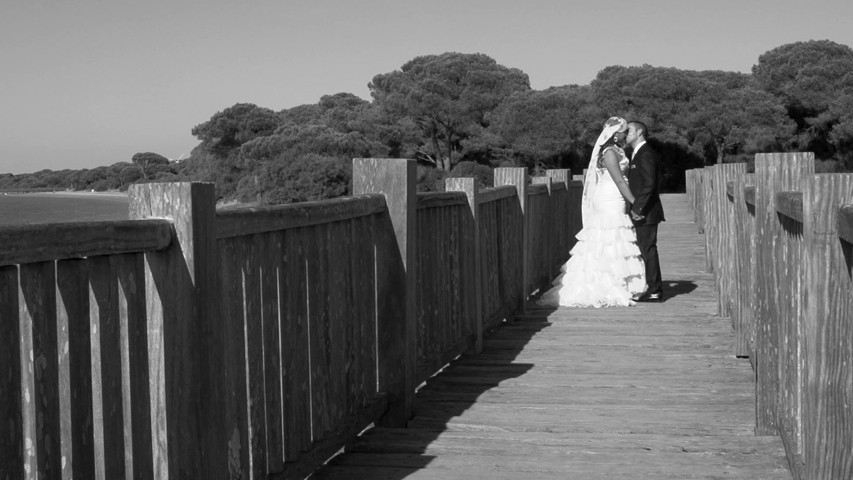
(495, 193)
(845, 223)
(441, 199)
(57, 241)
(749, 195)
(234, 222)
(537, 189)
(790, 204)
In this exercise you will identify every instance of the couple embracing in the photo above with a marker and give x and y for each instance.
(615, 260)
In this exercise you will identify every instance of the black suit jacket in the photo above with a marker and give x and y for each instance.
(644, 181)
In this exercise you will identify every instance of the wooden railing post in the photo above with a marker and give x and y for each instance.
(726, 258)
(517, 177)
(542, 224)
(744, 291)
(183, 328)
(827, 337)
(472, 191)
(395, 283)
(565, 216)
(774, 172)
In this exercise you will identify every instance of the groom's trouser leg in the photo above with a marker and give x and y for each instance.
(647, 240)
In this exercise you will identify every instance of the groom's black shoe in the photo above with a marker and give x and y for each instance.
(651, 297)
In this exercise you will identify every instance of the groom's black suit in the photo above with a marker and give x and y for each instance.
(644, 180)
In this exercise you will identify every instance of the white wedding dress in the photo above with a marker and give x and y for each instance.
(605, 268)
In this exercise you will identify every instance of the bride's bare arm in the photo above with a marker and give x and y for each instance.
(611, 161)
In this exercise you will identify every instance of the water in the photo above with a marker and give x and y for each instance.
(22, 209)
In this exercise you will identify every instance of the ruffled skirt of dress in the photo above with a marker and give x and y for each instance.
(605, 268)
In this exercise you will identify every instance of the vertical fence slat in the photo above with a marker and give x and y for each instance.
(37, 303)
(131, 277)
(318, 325)
(828, 332)
(235, 400)
(72, 281)
(109, 406)
(12, 453)
(269, 246)
(253, 315)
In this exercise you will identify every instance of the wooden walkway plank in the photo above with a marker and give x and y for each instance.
(648, 392)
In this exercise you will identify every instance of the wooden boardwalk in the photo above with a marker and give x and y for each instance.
(648, 392)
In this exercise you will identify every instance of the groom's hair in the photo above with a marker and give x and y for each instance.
(641, 127)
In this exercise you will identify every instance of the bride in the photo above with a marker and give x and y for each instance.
(605, 268)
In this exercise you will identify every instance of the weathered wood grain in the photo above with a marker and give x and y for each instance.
(725, 245)
(774, 172)
(828, 332)
(744, 293)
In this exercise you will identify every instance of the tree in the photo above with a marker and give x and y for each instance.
(146, 161)
(236, 125)
(447, 96)
(814, 81)
(544, 126)
(308, 177)
(736, 119)
(291, 141)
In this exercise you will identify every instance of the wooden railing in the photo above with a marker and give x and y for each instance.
(255, 342)
(779, 243)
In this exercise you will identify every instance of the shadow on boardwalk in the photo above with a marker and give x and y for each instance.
(649, 392)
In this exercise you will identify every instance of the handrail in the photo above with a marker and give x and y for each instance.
(57, 241)
(441, 199)
(537, 189)
(845, 223)
(749, 195)
(235, 222)
(495, 193)
(790, 204)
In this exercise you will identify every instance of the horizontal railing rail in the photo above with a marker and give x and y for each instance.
(233, 222)
(56, 241)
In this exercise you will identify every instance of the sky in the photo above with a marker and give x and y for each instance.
(86, 83)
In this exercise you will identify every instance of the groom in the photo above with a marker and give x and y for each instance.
(646, 212)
